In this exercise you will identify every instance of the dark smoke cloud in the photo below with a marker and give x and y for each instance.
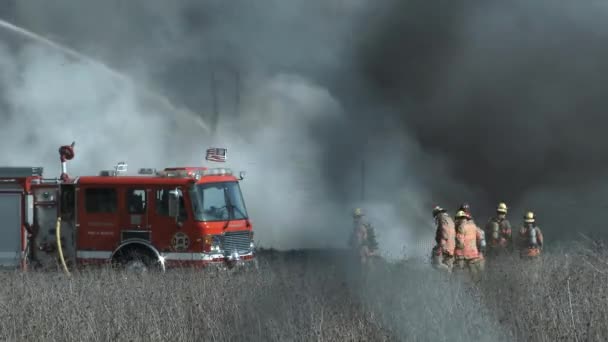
(511, 95)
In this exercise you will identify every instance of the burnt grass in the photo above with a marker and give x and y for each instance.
(313, 296)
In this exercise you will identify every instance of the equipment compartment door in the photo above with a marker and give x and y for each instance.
(10, 230)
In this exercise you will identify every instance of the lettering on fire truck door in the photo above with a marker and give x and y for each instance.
(134, 218)
(99, 218)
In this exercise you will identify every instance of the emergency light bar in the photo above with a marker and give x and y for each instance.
(147, 171)
(217, 172)
(194, 173)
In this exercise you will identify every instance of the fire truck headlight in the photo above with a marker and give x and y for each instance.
(217, 244)
(212, 243)
(207, 239)
(251, 245)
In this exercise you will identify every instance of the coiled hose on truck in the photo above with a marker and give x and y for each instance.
(59, 248)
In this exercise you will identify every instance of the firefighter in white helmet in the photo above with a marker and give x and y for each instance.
(443, 253)
(498, 232)
(530, 238)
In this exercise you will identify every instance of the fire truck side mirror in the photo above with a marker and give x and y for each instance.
(29, 210)
(174, 196)
(242, 175)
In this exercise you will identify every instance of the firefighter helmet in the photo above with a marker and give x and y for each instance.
(357, 212)
(502, 207)
(461, 214)
(529, 217)
(465, 207)
(437, 210)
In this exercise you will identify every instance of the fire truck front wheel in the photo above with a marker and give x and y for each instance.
(136, 260)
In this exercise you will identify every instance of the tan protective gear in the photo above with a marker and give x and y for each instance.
(437, 259)
(445, 235)
(502, 208)
(499, 235)
(468, 238)
(530, 241)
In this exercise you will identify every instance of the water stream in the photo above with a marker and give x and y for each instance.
(182, 114)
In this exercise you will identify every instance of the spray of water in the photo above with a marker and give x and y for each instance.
(151, 96)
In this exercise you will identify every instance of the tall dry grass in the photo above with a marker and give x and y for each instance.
(314, 296)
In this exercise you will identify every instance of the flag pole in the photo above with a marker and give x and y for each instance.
(362, 180)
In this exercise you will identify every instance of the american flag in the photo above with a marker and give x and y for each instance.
(216, 154)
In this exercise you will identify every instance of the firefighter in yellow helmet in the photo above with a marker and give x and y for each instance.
(445, 234)
(466, 207)
(499, 233)
(469, 244)
(530, 238)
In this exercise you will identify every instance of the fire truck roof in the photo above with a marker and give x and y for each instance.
(142, 180)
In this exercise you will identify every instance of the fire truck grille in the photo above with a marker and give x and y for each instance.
(237, 241)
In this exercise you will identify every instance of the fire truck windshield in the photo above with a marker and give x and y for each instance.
(220, 201)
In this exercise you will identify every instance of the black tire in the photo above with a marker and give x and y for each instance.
(137, 261)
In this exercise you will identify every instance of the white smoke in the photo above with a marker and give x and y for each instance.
(284, 190)
(53, 100)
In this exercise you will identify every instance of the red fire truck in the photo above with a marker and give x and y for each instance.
(192, 216)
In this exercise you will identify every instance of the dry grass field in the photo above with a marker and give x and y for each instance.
(315, 296)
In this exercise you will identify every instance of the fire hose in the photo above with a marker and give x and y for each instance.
(59, 248)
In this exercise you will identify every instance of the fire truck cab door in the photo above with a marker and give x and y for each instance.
(163, 225)
(135, 220)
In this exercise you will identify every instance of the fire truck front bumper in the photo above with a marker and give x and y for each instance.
(231, 261)
(215, 260)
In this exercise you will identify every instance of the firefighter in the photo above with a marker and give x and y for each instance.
(530, 238)
(498, 232)
(469, 240)
(357, 217)
(466, 207)
(443, 252)
(356, 234)
(481, 247)
(360, 239)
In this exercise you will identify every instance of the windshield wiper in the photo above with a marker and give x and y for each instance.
(234, 207)
(229, 208)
